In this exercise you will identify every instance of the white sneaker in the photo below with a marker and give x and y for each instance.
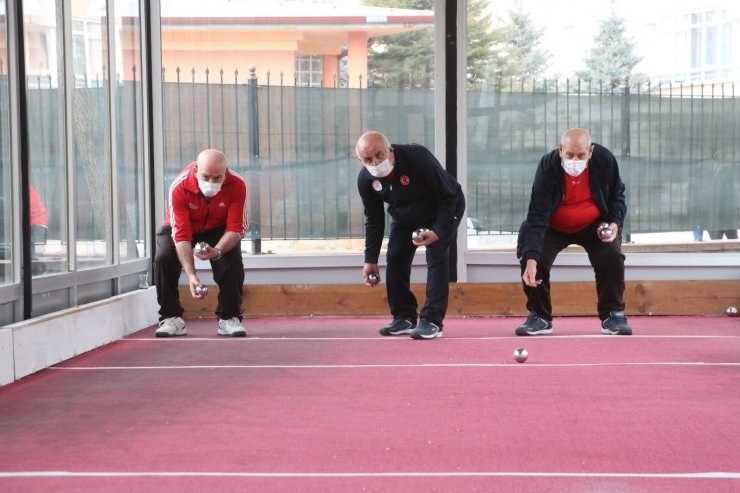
(171, 327)
(231, 327)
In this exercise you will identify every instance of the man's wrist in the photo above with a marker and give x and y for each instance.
(219, 253)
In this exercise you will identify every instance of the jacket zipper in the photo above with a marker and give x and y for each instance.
(208, 213)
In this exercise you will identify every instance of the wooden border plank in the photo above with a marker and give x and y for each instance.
(474, 299)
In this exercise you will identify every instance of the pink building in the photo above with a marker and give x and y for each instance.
(302, 40)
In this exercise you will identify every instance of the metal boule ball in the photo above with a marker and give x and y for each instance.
(731, 311)
(418, 234)
(200, 247)
(373, 278)
(201, 290)
(604, 231)
(520, 355)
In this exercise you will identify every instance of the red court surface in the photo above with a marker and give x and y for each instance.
(326, 404)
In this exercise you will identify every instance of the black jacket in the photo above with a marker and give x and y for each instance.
(421, 195)
(606, 187)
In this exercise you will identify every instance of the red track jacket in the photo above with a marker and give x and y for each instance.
(190, 212)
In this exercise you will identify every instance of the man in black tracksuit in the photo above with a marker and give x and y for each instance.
(576, 188)
(420, 194)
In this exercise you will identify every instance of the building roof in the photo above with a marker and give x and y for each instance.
(287, 13)
(279, 8)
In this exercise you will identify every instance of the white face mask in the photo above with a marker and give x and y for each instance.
(381, 170)
(209, 189)
(574, 167)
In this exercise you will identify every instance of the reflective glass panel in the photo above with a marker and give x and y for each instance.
(5, 200)
(46, 135)
(91, 133)
(285, 89)
(637, 79)
(129, 131)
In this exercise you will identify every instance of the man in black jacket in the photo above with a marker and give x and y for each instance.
(576, 189)
(420, 195)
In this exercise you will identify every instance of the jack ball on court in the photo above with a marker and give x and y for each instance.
(520, 355)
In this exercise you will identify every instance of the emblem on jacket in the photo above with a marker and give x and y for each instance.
(377, 186)
(192, 206)
(405, 180)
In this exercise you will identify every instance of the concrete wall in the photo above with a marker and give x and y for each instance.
(32, 345)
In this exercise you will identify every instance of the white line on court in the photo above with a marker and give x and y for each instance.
(419, 365)
(691, 475)
(379, 338)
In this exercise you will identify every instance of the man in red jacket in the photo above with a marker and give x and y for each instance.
(207, 204)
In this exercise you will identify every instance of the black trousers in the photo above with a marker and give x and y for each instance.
(228, 273)
(400, 255)
(606, 259)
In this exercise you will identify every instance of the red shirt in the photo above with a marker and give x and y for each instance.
(39, 216)
(191, 212)
(578, 209)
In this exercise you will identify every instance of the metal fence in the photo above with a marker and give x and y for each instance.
(47, 153)
(678, 150)
(294, 145)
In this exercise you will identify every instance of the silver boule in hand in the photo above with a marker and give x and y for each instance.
(418, 234)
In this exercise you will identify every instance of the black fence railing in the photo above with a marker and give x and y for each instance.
(294, 145)
(677, 146)
(48, 154)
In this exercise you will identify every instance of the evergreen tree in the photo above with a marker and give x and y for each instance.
(402, 59)
(408, 59)
(484, 44)
(524, 43)
(613, 58)
(517, 56)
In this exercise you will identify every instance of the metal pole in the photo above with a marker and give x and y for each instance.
(254, 162)
(626, 119)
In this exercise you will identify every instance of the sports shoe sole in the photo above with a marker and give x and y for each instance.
(237, 333)
(618, 332)
(395, 333)
(432, 336)
(534, 333)
(167, 334)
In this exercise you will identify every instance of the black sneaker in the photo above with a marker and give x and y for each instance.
(398, 327)
(616, 325)
(426, 330)
(534, 326)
